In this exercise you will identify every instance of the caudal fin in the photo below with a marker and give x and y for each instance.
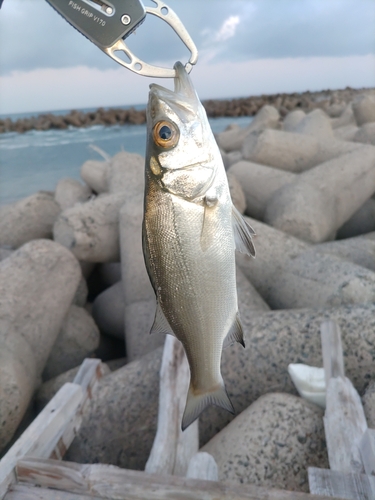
(196, 403)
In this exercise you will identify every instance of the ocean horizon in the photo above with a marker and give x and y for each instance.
(61, 112)
(36, 160)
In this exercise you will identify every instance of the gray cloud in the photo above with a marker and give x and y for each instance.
(33, 36)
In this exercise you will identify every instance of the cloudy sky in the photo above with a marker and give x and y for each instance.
(246, 47)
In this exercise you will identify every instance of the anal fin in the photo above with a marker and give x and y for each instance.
(243, 233)
(235, 333)
(161, 324)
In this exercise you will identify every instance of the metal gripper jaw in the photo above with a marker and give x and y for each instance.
(108, 22)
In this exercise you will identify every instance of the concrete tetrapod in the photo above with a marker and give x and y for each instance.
(77, 340)
(316, 124)
(320, 200)
(364, 109)
(259, 183)
(126, 173)
(292, 151)
(28, 219)
(37, 286)
(90, 230)
(361, 222)
(366, 134)
(68, 192)
(292, 119)
(232, 139)
(108, 311)
(288, 273)
(275, 339)
(271, 443)
(359, 250)
(94, 173)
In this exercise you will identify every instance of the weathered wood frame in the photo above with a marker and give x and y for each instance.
(32, 469)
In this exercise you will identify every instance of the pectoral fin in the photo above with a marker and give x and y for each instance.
(235, 334)
(208, 228)
(196, 403)
(243, 233)
(161, 324)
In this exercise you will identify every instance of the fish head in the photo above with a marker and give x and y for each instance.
(181, 150)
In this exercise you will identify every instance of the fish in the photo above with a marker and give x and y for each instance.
(190, 232)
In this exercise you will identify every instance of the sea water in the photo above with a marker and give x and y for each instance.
(37, 160)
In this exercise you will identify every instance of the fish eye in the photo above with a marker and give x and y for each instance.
(166, 134)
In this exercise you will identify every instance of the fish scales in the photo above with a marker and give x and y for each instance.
(189, 238)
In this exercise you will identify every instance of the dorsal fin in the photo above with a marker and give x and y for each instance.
(161, 324)
(243, 233)
(235, 333)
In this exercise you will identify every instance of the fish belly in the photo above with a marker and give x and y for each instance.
(195, 287)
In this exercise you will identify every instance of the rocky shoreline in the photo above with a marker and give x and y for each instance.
(73, 285)
(332, 101)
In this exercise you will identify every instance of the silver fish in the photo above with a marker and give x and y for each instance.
(190, 232)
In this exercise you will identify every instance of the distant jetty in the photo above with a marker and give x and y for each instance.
(246, 106)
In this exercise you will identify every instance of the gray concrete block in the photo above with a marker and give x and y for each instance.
(364, 109)
(289, 274)
(361, 222)
(68, 192)
(280, 149)
(126, 173)
(292, 119)
(346, 118)
(233, 139)
(271, 444)
(28, 219)
(259, 183)
(236, 192)
(359, 250)
(365, 134)
(94, 173)
(120, 424)
(77, 340)
(37, 286)
(321, 200)
(346, 133)
(90, 230)
(275, 339)
(316, 124)
(108, 311)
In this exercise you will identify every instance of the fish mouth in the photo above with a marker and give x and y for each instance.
(183, 97)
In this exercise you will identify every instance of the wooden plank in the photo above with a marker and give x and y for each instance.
(344, 419)
(41, 437)
(331, 483)
(172, 449)
(88, 376)
(333, 360)
(28, 492)
(203, 466)
(110, 482)
(367, 450)
(344, 425)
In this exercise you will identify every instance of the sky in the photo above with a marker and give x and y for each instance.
(246, 47)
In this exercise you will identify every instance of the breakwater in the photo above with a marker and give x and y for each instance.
(335, 100)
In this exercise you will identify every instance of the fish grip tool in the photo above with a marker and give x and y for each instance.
(107, 23)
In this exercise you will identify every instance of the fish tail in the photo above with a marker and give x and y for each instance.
(196, 403)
